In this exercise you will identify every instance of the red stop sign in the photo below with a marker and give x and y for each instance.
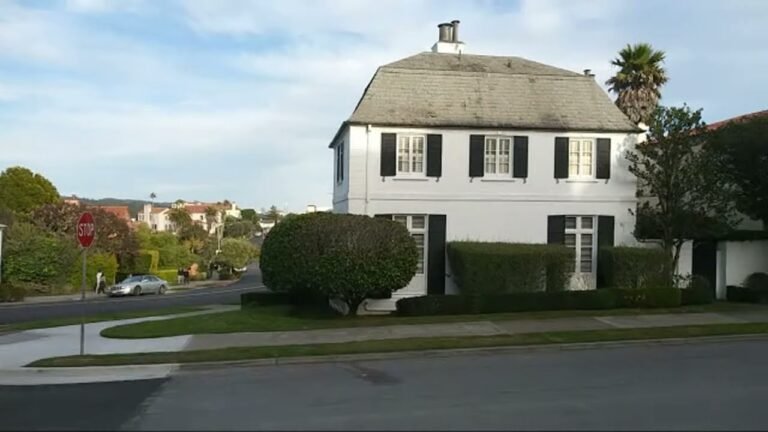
(85, 230)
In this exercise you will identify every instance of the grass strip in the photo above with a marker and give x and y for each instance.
(403, 345)
(282, 318)
(58, 322)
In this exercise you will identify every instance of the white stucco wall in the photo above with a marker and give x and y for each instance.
(513, 210)
(744, 258)
(341, 189)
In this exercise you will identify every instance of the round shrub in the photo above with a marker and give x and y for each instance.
(757, 281)
(342, 256)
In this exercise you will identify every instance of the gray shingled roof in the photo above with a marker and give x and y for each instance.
(430, 89)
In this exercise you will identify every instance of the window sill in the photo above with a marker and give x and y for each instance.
(410, 179)
(582, 181)
(498, 180)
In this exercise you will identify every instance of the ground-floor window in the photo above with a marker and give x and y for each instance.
(580, 235)
(417, 226)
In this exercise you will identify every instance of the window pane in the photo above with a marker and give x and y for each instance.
(403, 163)
(586, 222)
(586, 147)
(586, 240)
(402, 219)
(417, 222)
(586, 266)
(419, 239)
(573, 170)
(570, 240)
(570, 222)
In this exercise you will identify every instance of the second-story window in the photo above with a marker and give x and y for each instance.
(580, 160)
(340, 162)
(410, 154)
(498, 156)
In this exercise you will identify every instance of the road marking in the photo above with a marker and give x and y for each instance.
(129, 299)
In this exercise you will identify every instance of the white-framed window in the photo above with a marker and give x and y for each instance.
(581, 236)
(498, 156)
(411, 155)
(340, 162)
(581, 161)
(417, 226)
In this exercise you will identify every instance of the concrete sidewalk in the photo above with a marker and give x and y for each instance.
(459, 329)
(21, 348)
(91, 294)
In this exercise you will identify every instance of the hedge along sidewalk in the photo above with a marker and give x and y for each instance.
(405, 345)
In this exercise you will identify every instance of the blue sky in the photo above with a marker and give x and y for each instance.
(237, 99)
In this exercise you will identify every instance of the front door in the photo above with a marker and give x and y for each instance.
(581, 235)
(417, 226)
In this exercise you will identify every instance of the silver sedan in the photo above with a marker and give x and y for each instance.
(138, 285)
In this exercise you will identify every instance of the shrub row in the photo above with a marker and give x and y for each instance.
(746, 295)
(633, 267)
(11, 292)
(540, 301)
(482, 269)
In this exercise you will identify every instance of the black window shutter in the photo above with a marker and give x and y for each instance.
(476, 155)
(556, 229)
(561, 157)
(388, 150)
(434, 155)
(520, 157)
(605, 234)
(603, 161)
(436, 255)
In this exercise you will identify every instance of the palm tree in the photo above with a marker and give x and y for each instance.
(152, 196)
(638, 81)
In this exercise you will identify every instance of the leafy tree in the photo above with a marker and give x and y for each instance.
(235, 253)
(239, 229)
(273, 215)
(638, 81)
(180, 218)
(193, 237)
(35, 256)
(743, 148)
(338, 256)
(21, 190)
(682, 192)
(173, 252)
(211, 214)
(113, 235)
(249, 215)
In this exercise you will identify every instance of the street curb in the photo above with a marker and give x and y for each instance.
(438, 353)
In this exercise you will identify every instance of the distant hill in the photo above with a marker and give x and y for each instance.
(134, 206)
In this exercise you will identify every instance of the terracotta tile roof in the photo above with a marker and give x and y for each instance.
(159, 209)
(120, 211)
(718, 125)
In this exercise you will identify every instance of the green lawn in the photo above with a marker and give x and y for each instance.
(57, 322)
(280, 318)
(411, 344)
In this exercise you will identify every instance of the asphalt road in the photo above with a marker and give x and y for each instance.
(23, 312)
(701, 386)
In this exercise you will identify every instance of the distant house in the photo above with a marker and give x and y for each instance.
(73, 200)
(156, 218)
(121, 212)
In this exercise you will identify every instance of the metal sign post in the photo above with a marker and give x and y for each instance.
(86, 231)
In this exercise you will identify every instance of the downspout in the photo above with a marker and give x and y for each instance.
(367, 144)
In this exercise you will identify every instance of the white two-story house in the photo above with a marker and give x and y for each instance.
(472, 147)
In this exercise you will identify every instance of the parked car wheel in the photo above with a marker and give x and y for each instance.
(137, 291)
(162, 290)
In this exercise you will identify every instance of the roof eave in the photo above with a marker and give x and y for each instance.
(491, 126)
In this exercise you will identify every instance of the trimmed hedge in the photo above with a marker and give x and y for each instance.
(699, 291)
(746, 295)
(483, 269)
(146, 262)
(105, 262)
(539, 301)
(11, 292)
(757, 281)
(170, 275)
(633, 268)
